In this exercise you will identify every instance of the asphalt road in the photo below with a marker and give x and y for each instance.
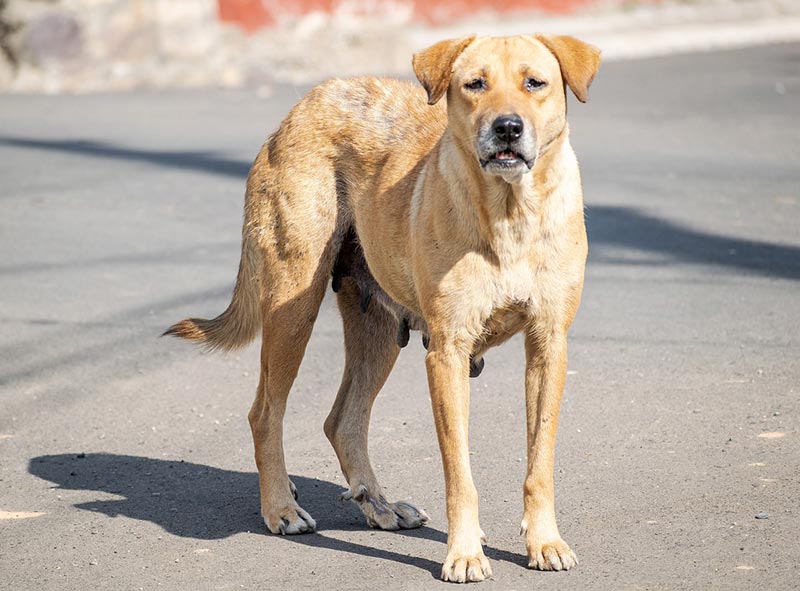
(126, 460)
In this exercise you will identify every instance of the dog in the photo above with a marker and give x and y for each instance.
(462, 219)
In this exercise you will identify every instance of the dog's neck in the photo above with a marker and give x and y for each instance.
(504, 218)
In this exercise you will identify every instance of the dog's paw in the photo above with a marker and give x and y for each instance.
(466, 567)
(552, 555)
(290, 520)
(382, 514)
(546, 549)
(555, 555)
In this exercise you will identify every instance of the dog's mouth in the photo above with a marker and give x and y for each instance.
(506, 159)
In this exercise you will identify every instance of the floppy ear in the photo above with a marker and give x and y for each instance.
(434, 66)
(579, 62)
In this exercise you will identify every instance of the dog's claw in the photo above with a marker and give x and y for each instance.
(554, 556)
(382, 514)
(346, 496)
(289, 521)
(466, 569)
(426, 340)
(408, 515)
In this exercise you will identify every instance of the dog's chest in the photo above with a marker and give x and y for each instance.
(531, 291)
(510, 302)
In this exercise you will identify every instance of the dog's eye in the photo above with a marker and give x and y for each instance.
(476, 85)
(532, 83)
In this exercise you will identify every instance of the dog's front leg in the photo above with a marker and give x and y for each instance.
(546, 371)
(448, 378)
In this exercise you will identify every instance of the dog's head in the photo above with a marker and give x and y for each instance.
(506, 96)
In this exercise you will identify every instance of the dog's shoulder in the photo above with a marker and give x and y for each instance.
(366, 92)
(388, 109)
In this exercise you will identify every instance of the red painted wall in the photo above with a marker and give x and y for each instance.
(252, 15)
(440, 11)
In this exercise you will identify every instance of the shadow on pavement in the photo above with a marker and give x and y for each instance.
(30, 359)
(629, 228)
(624, 227)
(202, 502)
(207, 162)
(184, 256)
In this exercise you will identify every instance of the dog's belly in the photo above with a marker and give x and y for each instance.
(351, 265)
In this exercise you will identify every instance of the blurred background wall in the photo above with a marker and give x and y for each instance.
(77, 46)
(255, 14)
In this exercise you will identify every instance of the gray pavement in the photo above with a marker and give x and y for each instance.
(126, 460)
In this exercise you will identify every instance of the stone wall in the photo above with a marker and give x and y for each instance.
(87, 45)
(100, 45)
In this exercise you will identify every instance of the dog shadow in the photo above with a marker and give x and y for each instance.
(206, 503)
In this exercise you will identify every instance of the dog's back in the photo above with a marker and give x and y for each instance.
(360, 129)
(309, 177)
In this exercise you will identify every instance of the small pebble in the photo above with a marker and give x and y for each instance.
(762, 515)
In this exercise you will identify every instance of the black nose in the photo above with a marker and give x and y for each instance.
(507, 127)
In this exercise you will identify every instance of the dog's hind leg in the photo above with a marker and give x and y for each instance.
(294, 220)
(289, 317)
(370, 353)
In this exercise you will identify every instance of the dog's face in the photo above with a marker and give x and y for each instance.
(506, 96)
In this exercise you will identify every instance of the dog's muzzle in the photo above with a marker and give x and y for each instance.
(506, 146)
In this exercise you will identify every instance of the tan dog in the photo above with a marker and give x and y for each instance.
(464, 222)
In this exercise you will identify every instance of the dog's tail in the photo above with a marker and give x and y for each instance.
(238, 324)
